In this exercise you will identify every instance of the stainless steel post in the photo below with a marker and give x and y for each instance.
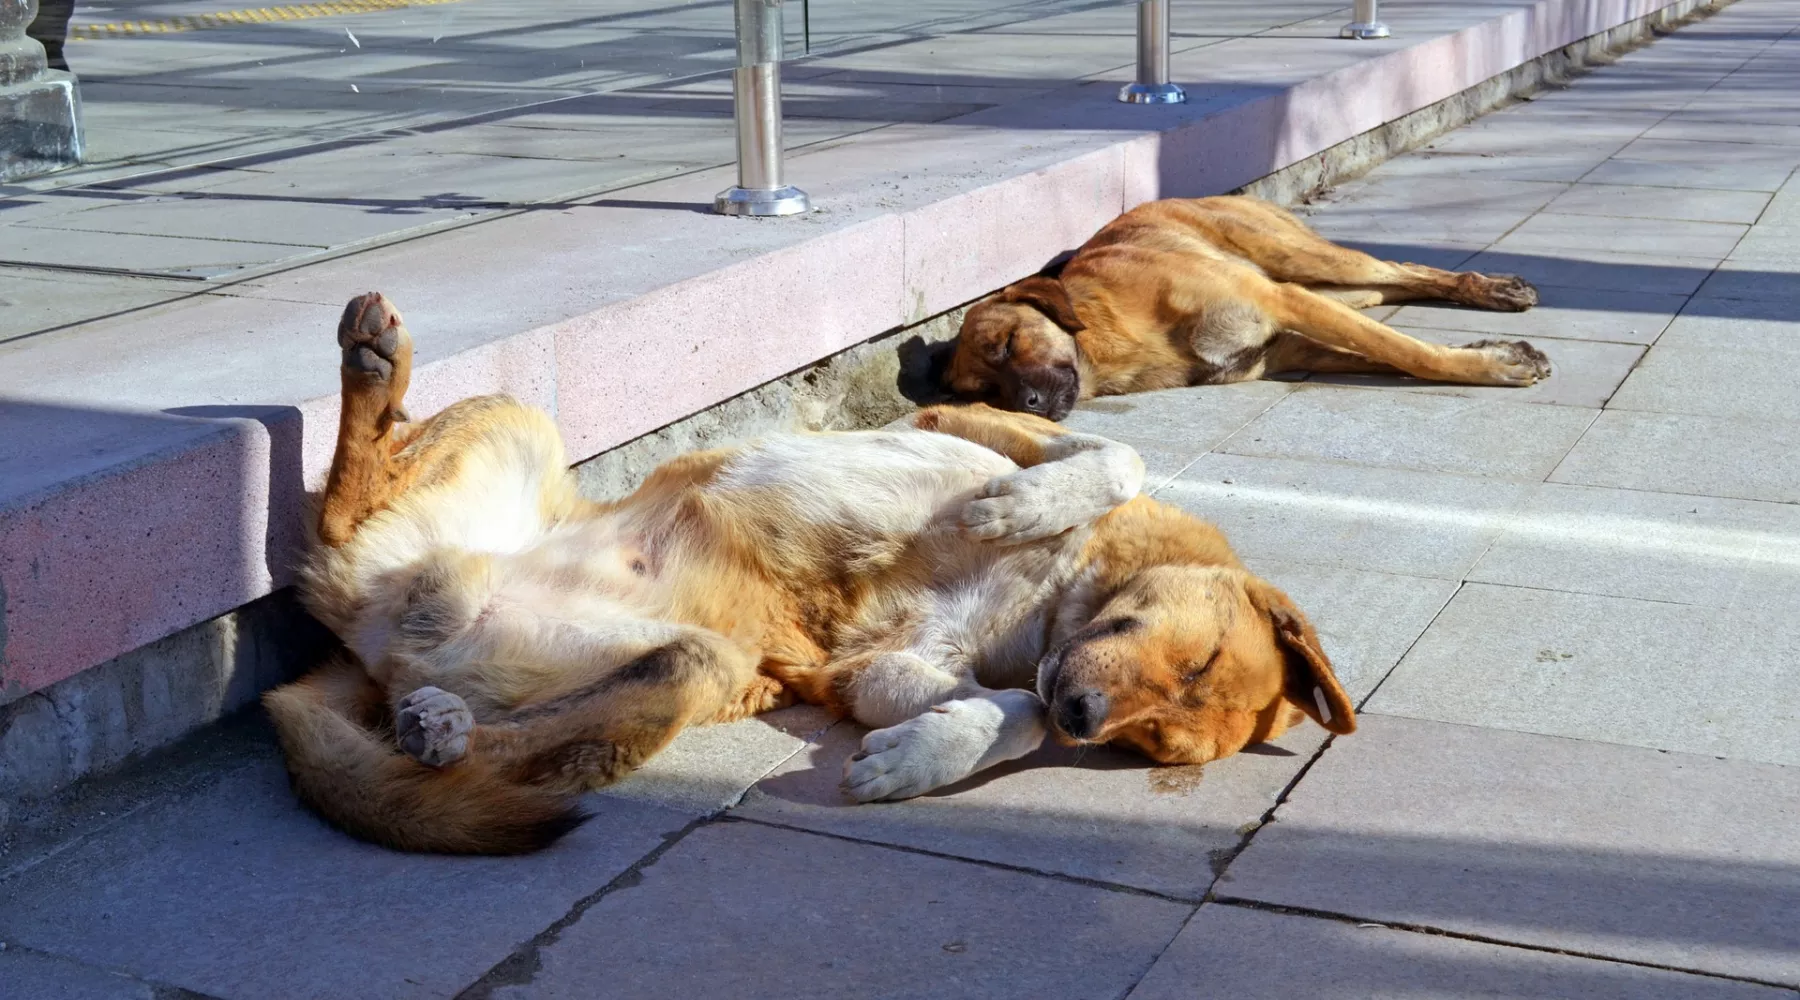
(1368, 21)
(756, 104)
(1152, 86)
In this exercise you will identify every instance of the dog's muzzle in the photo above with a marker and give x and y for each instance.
(1048, 392)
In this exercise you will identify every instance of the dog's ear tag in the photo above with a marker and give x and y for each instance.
(1324, 708)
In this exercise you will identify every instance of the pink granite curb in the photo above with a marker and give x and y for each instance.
(126, 522)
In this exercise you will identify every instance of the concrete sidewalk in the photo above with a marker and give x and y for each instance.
(1567, 613)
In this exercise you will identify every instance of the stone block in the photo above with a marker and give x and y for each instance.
(1682, 453)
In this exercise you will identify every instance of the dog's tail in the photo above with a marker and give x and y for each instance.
(360, 782)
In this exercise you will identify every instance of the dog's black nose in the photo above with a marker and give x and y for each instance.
(1033, 400)
(1082, 713)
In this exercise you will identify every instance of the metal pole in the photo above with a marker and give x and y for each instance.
(756, 106)
(1368, 22)
(1152, 86)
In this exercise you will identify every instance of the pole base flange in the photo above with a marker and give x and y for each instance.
(761, 202)
(1364, 30)
(1152, 93)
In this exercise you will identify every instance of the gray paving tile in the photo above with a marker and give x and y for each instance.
(299, 222)
(235, 891)
(1682, 453)
(1666, 676)
(1585, 847)
(1476, 437)
(1430, 209)
(1638, 202)
(1352, 517)
(1735, 325)
(1602, 270)
(1565, 312)
(1256, 954)
(1778, 285)
(1688, 125)
(1585, 373)
(1713, 381)
(1549, 231)
(39, 300)
(45, 977)
(1102, 814)
(783, 914)
(1652, 546)
(708, 768)
(1366, 621)
(1172, 427)
(142, 254)
(1776, 244)
(1682, 163)
(1488, 155)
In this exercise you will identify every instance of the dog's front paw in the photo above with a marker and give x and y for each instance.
(1063, 493)
(433, 726)
(927, 751)
(1513, 362)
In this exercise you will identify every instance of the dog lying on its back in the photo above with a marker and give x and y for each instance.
(1211, 290)
(964, 584)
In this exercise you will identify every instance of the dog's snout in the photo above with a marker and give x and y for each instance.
(1082, 713)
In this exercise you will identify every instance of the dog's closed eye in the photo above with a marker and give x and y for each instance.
(1195, 674)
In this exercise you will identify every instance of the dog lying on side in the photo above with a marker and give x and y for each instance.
(1211, 290)
(963, 585)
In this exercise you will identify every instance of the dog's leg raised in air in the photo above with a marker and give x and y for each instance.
(1333, 324)
(938, 728)
(376, 367)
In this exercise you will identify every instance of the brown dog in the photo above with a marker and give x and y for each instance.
(1212, 290)
(964, 584)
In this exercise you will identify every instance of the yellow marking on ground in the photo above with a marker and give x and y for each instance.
(234, 18)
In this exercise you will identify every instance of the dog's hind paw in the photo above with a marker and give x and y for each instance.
(1513, 362)
(1509, 293)
(372, 335)
(433, 726)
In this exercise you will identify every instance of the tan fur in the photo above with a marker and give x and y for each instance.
(511, 644)
(1210, 290)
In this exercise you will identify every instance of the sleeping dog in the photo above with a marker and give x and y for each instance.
(1211, 290)
(965, 583)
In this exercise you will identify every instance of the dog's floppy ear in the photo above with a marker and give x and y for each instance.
(1048, 296)
(1309, 681)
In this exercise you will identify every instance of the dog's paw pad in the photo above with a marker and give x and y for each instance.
(433, 726)
(1515, 362)
(372, 335)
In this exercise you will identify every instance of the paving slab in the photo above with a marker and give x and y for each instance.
(1430, 209)
(1608, 851)
(37, 299)
(1394, 521)
(1665, 676)
(174, 256)
(300, 221)
(1778, 285)
(1683, 453)
(45, 977)
(1427, 433)
(1549, 230)
(708, 768)
(1687, 163)
(1771, 244)
(1681, 126)
(1093, 813)
(235, 891)
(1366, 621)
(1172, 427)
(1681, 549)
(1715, 382)
(1585, 373)
(1633, 201)
(1563, 312)
(783, 914)
(1256, 954)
